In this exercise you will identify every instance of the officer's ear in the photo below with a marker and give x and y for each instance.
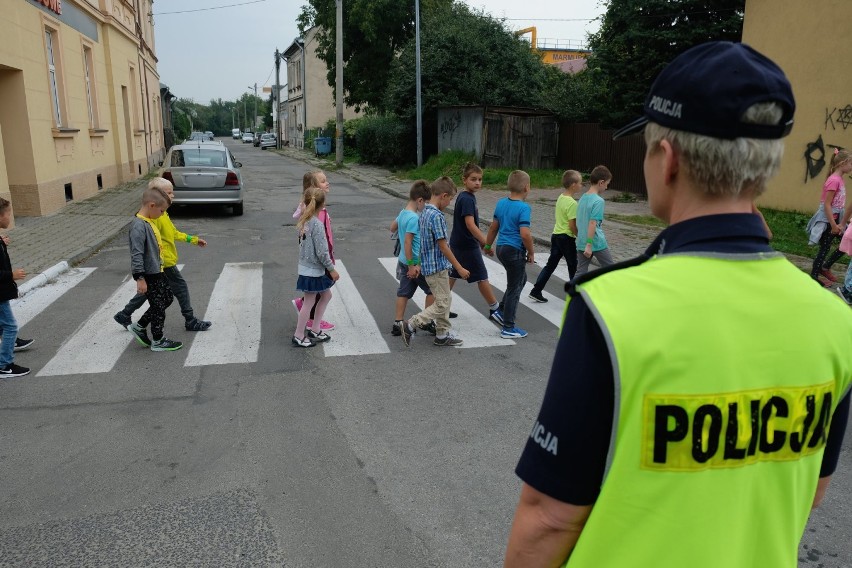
(670, 161)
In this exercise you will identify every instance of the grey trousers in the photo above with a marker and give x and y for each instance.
(603, 257)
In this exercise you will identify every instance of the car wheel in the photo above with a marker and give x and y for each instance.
(238, 209)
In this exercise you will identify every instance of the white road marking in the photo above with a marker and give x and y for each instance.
(472, 326)
(551, 311)
(235, 310)
(356, 331)
(38, 299)
(561, 270)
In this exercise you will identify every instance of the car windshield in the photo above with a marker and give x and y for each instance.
(198, 157)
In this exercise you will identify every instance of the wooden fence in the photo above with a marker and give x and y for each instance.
(582, 146)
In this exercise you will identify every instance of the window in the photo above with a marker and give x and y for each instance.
(55, 81)
(199, 157)
(88, 77)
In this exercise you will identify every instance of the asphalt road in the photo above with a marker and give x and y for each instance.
(372, 455)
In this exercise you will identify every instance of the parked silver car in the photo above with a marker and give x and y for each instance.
(205, 173)
(248, 137)
(268, 140)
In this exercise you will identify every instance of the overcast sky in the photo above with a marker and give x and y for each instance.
(209, 53)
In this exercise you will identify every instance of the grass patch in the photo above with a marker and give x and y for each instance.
(451, 164)
(649, 220)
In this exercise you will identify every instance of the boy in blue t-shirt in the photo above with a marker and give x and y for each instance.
(407, 224)
(511, 227)
(591, 241)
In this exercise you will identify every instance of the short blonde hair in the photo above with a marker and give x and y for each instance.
(443, 185)
(570, 177)
(518, 180)
(154, 195)
(160, 183)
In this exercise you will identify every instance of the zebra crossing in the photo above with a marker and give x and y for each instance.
(236, 305)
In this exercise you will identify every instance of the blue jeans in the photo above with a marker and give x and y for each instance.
(515, 262)
(179, 289)
(10, 333)
(847, 283)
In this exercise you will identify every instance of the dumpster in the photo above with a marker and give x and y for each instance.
(322, 146)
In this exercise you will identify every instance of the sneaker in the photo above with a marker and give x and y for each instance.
(828, 274)
(396, 330)
(536, 295)
(302, 342)
(512, 332)
(164, 344)
(429, 328)
(197, 325)
(297, 303)
(22, 344)
(497, 316)
(407, 332)
(317, 337)
(847, 297)
(324, 325)
(453, 315)
(122, 319)
(12, 370)
(140, 333)
(449, 341)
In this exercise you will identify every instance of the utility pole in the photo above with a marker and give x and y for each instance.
(277, 99)
(255, 105)
(339, 82)
(417, 66)
(245, 114)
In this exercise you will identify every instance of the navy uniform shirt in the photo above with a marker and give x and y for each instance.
(579, 401)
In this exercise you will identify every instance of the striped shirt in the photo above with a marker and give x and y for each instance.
(433, 227)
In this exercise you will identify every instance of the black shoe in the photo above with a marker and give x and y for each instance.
(140, 333)
(453, 315)
(318, 337)
(407, 332)
(12, 370)
(536, 295)
(449, 341)
(164, 344)
(197, 325)
(429, 328)
(303, 342)
(22, 344)
(122, 319)
(396, 330)
(841, 291)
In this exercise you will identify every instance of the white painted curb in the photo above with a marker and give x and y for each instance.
(41, 279)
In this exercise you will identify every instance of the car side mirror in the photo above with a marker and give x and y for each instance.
(238, 164)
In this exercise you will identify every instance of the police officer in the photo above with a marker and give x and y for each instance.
(699, 394)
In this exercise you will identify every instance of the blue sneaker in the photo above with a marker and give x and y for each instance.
(512, 333)
(497, 316)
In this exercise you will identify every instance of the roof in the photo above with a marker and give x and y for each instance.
(572, 65)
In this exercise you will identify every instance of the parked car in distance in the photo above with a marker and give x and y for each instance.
(204, 173)
(236, 134)
(197, 136)
(209, 135)
(248, 137)
(256, 140)
(268, 140)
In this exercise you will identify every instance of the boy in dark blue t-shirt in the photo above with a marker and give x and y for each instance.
(511, 228)
(468, 242)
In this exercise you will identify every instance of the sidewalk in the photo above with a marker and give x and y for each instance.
(47, 246)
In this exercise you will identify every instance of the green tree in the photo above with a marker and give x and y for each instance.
(637, 38)
(569, 96)
(373, 33)
(467, 58)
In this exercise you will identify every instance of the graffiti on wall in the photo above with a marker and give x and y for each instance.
(450, 123)
(841, 117)
(815, 157)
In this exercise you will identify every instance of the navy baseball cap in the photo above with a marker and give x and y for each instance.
(707, 88)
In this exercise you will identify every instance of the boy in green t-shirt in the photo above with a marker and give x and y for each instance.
(562, 241)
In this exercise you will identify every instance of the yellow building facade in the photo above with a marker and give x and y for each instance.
(79, 99)
(800, 37)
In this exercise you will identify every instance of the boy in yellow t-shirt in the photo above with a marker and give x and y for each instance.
(169, 235)
(562, 241)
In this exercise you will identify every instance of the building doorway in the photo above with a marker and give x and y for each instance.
(17, 152)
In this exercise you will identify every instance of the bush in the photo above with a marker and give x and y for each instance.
(385, 141)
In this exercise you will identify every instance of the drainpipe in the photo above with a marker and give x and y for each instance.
(304, 93)
(143, 79)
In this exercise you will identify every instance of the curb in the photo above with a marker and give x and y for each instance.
(43, 278)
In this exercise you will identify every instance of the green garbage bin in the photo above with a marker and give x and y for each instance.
(322, 146)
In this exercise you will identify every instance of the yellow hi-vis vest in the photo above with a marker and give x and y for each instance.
(727, 373)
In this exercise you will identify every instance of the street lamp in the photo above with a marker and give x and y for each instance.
(255, 104)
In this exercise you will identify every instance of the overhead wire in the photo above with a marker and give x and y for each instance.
(210, 8)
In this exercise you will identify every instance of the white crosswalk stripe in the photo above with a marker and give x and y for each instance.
(39, 299)
(235, 309)
(551, 311)
(235, 306)
(561, 270)
(472, 325)
(356, 331)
